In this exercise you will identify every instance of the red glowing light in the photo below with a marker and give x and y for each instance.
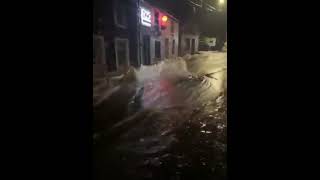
(164, 18)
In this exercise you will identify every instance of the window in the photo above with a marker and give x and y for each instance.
(172, 27)
(99, 56)
(120, 16)
(157, 49)
(173, 46)
(122, 51)
(156, 20)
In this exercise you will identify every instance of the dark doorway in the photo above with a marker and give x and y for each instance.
(111, 57)
(187, 47)
(146, 50)
(157, 48)
(193, 46)
(173, 47)
(166, 47)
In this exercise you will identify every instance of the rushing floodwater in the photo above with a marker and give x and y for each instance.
(163, 121)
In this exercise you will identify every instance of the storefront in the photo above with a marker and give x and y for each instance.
(159, 35)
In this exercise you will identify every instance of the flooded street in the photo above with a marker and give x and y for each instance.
(165, 121)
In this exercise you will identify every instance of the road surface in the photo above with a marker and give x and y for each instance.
(166, 121)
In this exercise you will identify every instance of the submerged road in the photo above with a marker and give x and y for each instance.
(168, 123)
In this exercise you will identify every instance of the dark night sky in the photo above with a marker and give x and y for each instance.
(209, 23)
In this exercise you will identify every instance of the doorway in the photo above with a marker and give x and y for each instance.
(146, 50)
(193, 42)
(166, 48)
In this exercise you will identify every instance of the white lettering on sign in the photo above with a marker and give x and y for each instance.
(145, 17)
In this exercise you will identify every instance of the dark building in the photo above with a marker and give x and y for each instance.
(131, 33)
(134, 32)
(115, 34)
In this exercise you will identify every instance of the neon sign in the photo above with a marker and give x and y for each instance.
(145, 17)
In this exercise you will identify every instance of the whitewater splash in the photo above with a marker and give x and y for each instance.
(169, 77)
(168, 69)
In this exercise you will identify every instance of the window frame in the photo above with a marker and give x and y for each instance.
(116, 49)
(172, 27)
(99, 49)
(115, 15)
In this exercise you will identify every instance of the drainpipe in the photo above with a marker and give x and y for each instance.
(138, 33)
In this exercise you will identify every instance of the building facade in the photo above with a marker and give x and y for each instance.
(159, 34)
(130, 33)
(189, 43)
(115, 35)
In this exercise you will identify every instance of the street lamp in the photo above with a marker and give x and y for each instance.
(221, 5)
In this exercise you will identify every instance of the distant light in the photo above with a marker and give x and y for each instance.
(221, 1)
(164, 19)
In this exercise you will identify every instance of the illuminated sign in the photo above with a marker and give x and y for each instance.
(145, 17)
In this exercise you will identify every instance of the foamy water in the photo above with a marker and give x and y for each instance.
(170, 80)
(171, 91)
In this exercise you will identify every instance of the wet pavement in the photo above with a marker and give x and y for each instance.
(166, 121)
